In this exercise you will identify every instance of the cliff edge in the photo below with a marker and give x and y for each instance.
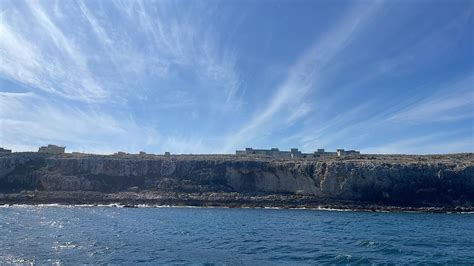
(396, 180)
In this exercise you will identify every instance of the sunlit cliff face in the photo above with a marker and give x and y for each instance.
(391, 179)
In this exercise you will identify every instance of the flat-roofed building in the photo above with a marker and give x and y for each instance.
(294, 153)
(52, 149)
(2, 150)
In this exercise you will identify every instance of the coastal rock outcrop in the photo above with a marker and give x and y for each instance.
(397, 179)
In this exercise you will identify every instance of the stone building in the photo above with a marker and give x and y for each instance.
(342, 152)
(323, 153)
(273, 152)
(294, 153)
(52, 149)
(2, 150)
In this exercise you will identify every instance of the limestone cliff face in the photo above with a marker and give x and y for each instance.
(402, 179)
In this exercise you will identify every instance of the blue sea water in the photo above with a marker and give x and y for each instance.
(33, 234)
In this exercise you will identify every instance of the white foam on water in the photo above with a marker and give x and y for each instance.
(119, 205)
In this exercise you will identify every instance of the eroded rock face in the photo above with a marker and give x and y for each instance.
(397, 179)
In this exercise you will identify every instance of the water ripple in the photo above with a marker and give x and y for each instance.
(96, 235)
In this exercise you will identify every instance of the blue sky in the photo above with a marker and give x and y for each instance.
(215, 76)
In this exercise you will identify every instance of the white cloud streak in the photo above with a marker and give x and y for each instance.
(38, 48)
(427, 144)
(54, 65)
(452, 103)
(59, 62)
(304, 76)
(51, 53)
(186, 40)
(29, 120)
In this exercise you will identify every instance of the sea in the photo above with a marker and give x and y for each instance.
(181, 235)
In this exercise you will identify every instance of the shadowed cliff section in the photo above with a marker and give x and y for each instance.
(386, 179)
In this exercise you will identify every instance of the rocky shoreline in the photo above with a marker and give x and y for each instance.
(221, 200)
(433, 183)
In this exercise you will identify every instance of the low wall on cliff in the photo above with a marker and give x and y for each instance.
(392, 179)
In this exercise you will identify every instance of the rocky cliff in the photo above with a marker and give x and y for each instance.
(399, 180)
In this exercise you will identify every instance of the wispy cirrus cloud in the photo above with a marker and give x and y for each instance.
(182, 40)
(449, 102)
(54, 65)
(303, 77)
(358, 121)
(428, 144)
(337, 130)
(199, 77)
(82, 60)
(48, 56)
(29, 120)
(452, 102)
